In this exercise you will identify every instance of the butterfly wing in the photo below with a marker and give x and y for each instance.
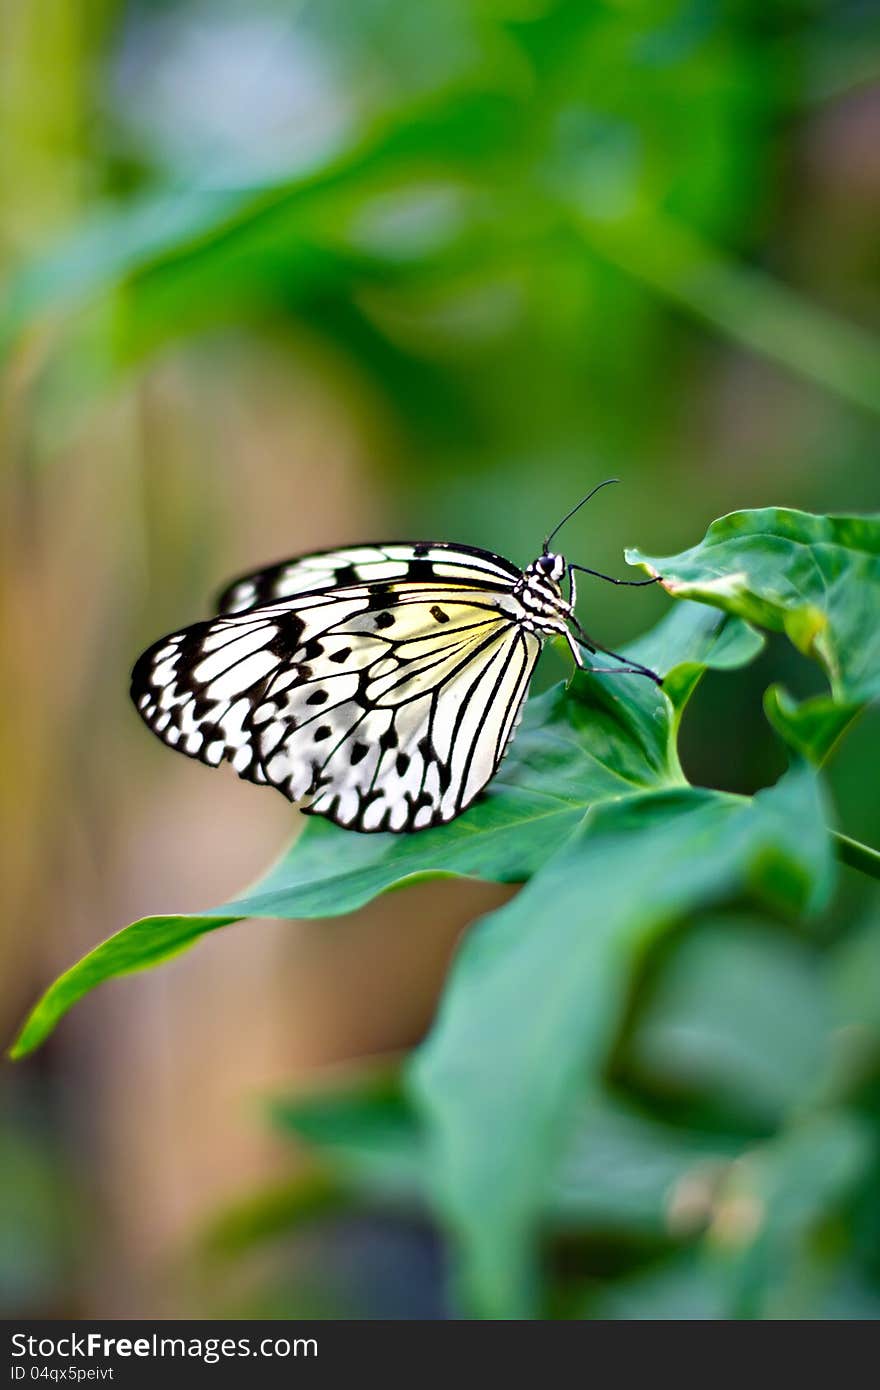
(369, 564)
(389, 704)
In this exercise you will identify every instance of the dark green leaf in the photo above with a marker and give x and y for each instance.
(769, 1204)
(283, 1207)
(813, 726)
(853, 973)
(712, 1025)
(680, 1288)
(619, 1172)
(540, 987)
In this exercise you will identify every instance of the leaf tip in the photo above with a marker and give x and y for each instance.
(20, 1046)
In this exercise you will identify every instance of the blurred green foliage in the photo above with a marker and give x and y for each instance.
(522, 245)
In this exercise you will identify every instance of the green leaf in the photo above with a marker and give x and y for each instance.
(816, 578)
(367, 1133)
(746, 305)
(853, 970)
(713, 1024)
(623, 1172)
(276, 1210)
(689, 641)
(145, 943)
(619, 1171)
(594, 740)
(679, 1289)
(539, 987)
(771, 1201)
(757, 1259)
(813, 726)
(174, 249)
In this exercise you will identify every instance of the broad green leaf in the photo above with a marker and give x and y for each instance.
(540, 986)
(816, 578)
(596, 739)
(739, 1016)
(619, 1171)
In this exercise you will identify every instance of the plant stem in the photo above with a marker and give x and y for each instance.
(856, 855)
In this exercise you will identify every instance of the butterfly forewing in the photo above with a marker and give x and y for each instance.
(388, 701)
(333, 569)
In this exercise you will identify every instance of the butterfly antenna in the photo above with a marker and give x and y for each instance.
(576, 508)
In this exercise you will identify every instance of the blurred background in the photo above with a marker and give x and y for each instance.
(279, 274)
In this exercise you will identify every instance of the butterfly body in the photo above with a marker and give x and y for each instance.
(380, 684)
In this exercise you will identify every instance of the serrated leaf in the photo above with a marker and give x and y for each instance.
(539, 987)
(595, 740)
(816, 578)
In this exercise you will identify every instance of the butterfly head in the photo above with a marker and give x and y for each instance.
(548, 571)
(549, 567)
(540, 591)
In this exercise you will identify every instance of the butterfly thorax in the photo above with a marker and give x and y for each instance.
(540, 593)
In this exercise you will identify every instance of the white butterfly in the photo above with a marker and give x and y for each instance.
(381, 683)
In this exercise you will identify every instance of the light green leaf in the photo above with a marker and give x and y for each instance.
(816, 578)
(597, 739)
(540, 987)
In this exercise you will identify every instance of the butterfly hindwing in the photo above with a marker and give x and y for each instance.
(413, 722)
(197, 689)
(388, 703)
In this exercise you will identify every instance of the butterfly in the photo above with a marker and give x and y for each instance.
(380, 683)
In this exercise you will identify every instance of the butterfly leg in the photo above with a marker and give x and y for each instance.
(604, 670)
(629, 666)
(575, 651)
